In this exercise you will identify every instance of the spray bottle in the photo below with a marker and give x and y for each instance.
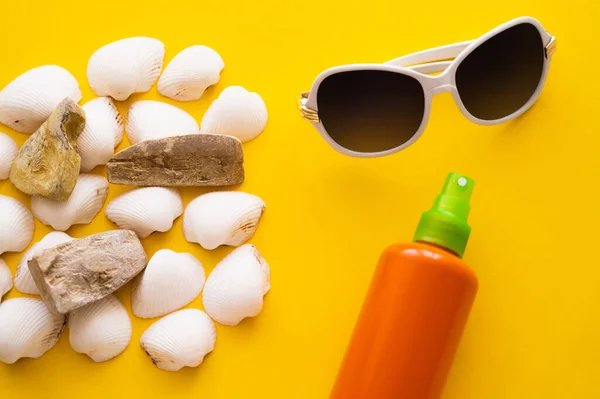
(416, 308)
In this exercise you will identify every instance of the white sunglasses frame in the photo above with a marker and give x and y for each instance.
(419, 65)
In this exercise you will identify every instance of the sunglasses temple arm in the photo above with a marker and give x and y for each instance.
(432, 67)
(428, 61)
(429, 57)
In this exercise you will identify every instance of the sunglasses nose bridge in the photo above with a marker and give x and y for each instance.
(440, 84)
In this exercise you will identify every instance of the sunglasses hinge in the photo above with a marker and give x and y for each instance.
(551, 47)
(307, 113)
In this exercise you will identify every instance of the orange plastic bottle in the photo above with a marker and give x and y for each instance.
(416, 308)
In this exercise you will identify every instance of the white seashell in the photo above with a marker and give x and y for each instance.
(23, 280)
(28, 329)
(237, 112)
(16, 225)
(27, 101)
(222, 218)
(83, 204)
(190, 73)
(170, 281)
(180, 339)
(151, 120)
(145, 210)
(235, 288)
(126, 66)
(6, 282)
(8, 152)
(101, 330)
(103, 132)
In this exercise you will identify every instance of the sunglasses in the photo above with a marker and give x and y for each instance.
(370, 110)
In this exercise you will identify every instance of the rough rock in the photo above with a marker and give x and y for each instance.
(83, 271)
(48, 163)
(192, 160)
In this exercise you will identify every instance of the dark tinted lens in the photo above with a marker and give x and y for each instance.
(370, 111)
(501, 75)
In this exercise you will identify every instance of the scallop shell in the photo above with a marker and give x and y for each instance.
(235, 288)
(180, 339)
(126, 66)
(170, 281)
(103, 132)
(190, 73)
(16, 225)
(222, 218)
(8, 152)
(237, 112)
(23, 280)
(151, 120)
(28, 329)
(6, 282)
(29, 100)
(146, 210)
(101, 330)
(83, 204)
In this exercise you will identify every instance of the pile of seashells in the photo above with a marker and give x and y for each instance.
(233, 291)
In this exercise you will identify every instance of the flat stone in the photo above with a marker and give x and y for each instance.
(48, 163)
(192, 160)
(86, 270)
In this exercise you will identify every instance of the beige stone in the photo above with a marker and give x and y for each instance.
(83, 271)
(48, 163)
(192, 160)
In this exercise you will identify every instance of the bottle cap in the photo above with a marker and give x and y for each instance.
(445, 224)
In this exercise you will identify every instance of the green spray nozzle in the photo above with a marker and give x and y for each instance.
(445, 224)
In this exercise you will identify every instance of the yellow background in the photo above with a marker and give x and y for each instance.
(535, 329)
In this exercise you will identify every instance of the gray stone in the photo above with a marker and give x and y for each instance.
(192, 160)
(86, 270)
(48, 163)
